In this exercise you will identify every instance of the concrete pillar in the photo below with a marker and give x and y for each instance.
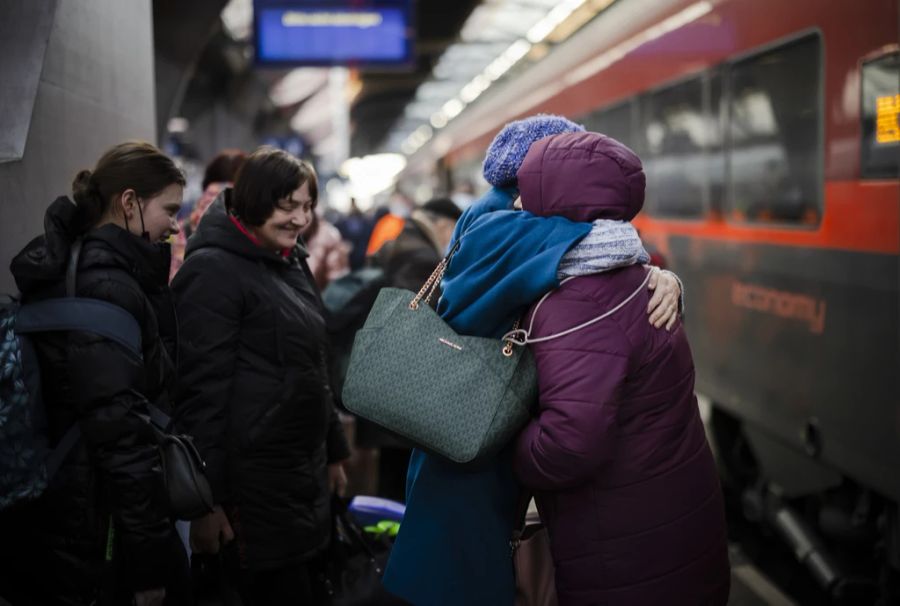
(96, 89)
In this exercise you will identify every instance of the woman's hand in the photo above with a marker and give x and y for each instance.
(663, 306)
(150, 597)
(211, 532)
(337, 479)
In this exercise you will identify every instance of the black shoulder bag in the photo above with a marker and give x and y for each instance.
(188, 490)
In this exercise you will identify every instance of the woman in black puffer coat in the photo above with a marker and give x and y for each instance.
(54, 547)
(254, 388)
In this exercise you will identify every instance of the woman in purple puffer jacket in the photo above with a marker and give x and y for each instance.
(617, 456)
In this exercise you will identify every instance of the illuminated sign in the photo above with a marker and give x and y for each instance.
(879, 115)
(353, 32)
(887, 119)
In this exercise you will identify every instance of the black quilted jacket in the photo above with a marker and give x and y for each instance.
(254, 389)
(55, 546)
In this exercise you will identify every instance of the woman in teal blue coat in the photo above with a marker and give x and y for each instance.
(453, 547)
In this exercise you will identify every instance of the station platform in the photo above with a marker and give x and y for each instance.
(750, 586)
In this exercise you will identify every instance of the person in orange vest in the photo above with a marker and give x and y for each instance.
(390, 225)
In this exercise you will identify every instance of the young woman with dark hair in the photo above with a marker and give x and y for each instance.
(101, 533)
(254, 389)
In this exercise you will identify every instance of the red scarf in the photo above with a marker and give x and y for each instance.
(284, 253)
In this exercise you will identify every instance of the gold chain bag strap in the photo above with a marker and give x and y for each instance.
(430, 287)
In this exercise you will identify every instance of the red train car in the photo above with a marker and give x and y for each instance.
(769, 133)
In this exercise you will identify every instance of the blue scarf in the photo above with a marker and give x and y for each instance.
(506, 260)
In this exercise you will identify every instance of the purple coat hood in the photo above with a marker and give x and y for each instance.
(582, 177)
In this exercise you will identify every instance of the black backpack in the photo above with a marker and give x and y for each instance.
(27, 462)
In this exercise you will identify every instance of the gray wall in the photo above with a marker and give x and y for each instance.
(96, 89)
(219, 127)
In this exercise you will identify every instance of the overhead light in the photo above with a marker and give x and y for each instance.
(469, 93)
(497, 68)
(237, 17)
(540, 31)
(517, 50)
(579, 17)
(371, 175)
(546, 25)
(178, 125)
(507, 59)
(439, 119)
(452, 108)
(506, 29)
(424, 132)
(417, 139)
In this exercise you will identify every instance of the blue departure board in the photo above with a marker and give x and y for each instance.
(352, 32)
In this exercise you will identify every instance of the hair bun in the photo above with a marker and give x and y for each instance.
(83, 184)
(88, 198)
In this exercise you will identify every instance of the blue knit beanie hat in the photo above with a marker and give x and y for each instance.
(508, 149)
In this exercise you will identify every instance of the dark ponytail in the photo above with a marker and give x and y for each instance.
(88, 200)
(133, 165)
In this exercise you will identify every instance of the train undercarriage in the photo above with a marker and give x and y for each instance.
(822, 543)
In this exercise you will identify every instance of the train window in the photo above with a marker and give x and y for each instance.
(673, 131)
(613, 122)
(774, 130)
(881, 118)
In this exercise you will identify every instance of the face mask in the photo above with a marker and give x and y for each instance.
(144, 233)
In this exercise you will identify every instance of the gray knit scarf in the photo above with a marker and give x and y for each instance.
(610, 244)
